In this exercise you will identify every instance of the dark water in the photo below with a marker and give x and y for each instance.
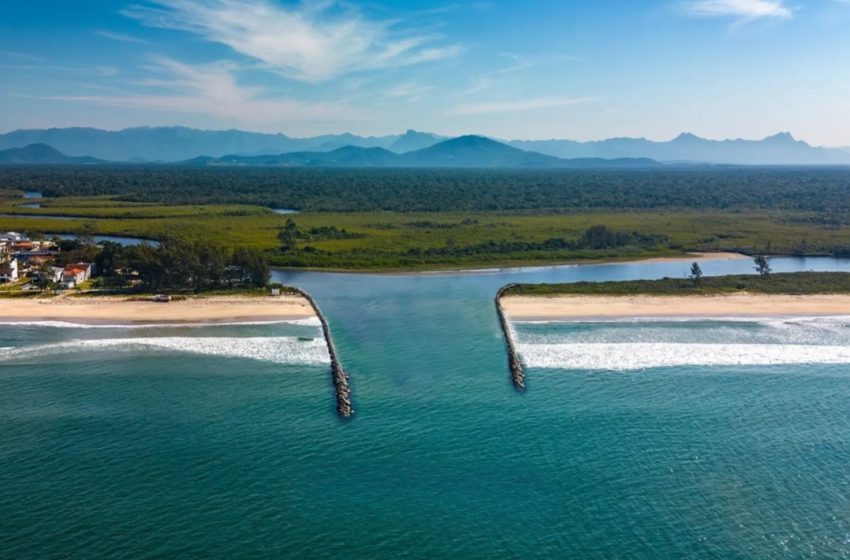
(126, 241)
(139, 451)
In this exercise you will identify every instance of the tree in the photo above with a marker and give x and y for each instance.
(287, 235)
(762, 265)
(696, 273)
(252, 267)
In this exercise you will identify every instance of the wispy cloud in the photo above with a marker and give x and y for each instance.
(511, 106)
(409, 91)
(122, 37)
(213, 90)
(741, 10)
(21, 56)
(312, 41)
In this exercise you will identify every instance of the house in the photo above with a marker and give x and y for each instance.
(12, 237)
(25, 246)
(9, 271)
(75, 274)
(47, 274)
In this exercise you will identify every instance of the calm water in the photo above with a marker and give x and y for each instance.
(126, 241)
(222, 441)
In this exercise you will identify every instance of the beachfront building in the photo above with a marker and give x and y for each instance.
(47, 274)
(9, 271)
(76, 274)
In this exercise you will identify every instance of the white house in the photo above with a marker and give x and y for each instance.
(75, 274)
(9, 271)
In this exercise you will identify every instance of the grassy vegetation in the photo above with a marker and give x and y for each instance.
(391, 241)
(797, 283)
(432, 219)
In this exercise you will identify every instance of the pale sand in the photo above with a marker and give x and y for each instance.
(567, 307)
(120, 311)
(689, 257)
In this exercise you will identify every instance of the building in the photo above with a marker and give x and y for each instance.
(12, 237)
(47, 274)
(9, 271)
(76, 274)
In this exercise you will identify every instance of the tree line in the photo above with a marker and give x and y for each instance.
(453, 190)
(175, 264)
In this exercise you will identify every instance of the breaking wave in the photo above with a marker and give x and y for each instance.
(641, 344)
(632, 356)
(279, 350)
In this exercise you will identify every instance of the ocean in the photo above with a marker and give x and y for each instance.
(697, 438)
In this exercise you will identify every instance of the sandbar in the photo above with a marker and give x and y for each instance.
(574, 307)
(127, 311)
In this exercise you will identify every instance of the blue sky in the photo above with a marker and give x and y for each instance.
(509, 69)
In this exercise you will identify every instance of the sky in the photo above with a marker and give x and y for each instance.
(530, 69)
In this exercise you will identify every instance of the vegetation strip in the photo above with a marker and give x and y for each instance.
(795, 283)
(514, 363)
(339, 377)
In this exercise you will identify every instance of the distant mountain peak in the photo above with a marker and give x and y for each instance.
(688, 137)
(782, 137)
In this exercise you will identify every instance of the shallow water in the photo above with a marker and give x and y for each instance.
(171, 449)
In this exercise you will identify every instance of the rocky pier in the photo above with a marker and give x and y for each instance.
(514, 363)
(339, 378)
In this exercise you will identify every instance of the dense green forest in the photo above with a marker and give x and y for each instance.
(823, 190)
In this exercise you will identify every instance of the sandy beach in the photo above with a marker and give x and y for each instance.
(543, 308)
(121, 311)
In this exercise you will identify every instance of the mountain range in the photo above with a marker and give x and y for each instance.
(465, 151)
(176, 144)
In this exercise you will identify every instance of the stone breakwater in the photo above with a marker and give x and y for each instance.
(514, 363)
(342, 387)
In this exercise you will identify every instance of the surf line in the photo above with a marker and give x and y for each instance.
(514, 363)
(341, 382)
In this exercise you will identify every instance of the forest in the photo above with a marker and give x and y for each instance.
(389, 219)
(458, 190)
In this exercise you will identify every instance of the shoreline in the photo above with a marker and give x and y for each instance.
(531, 265)
(121, 311)
(604, 307)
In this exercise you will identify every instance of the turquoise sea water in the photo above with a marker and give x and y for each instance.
(222, 442)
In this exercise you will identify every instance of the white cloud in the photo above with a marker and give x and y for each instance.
(743, 10)
(213, 90)
(21, 56)
(519, 105)
(313, 41)
(409, 91)
(122, 37)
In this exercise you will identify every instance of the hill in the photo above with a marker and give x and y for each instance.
(40, 154)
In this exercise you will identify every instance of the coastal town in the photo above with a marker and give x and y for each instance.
(38, 265)
(33, 264)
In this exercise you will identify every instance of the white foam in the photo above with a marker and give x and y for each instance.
(280, 350)
(633, 356)
(767, 320)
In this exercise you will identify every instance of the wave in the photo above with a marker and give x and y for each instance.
(279, 350)
(635, 356)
